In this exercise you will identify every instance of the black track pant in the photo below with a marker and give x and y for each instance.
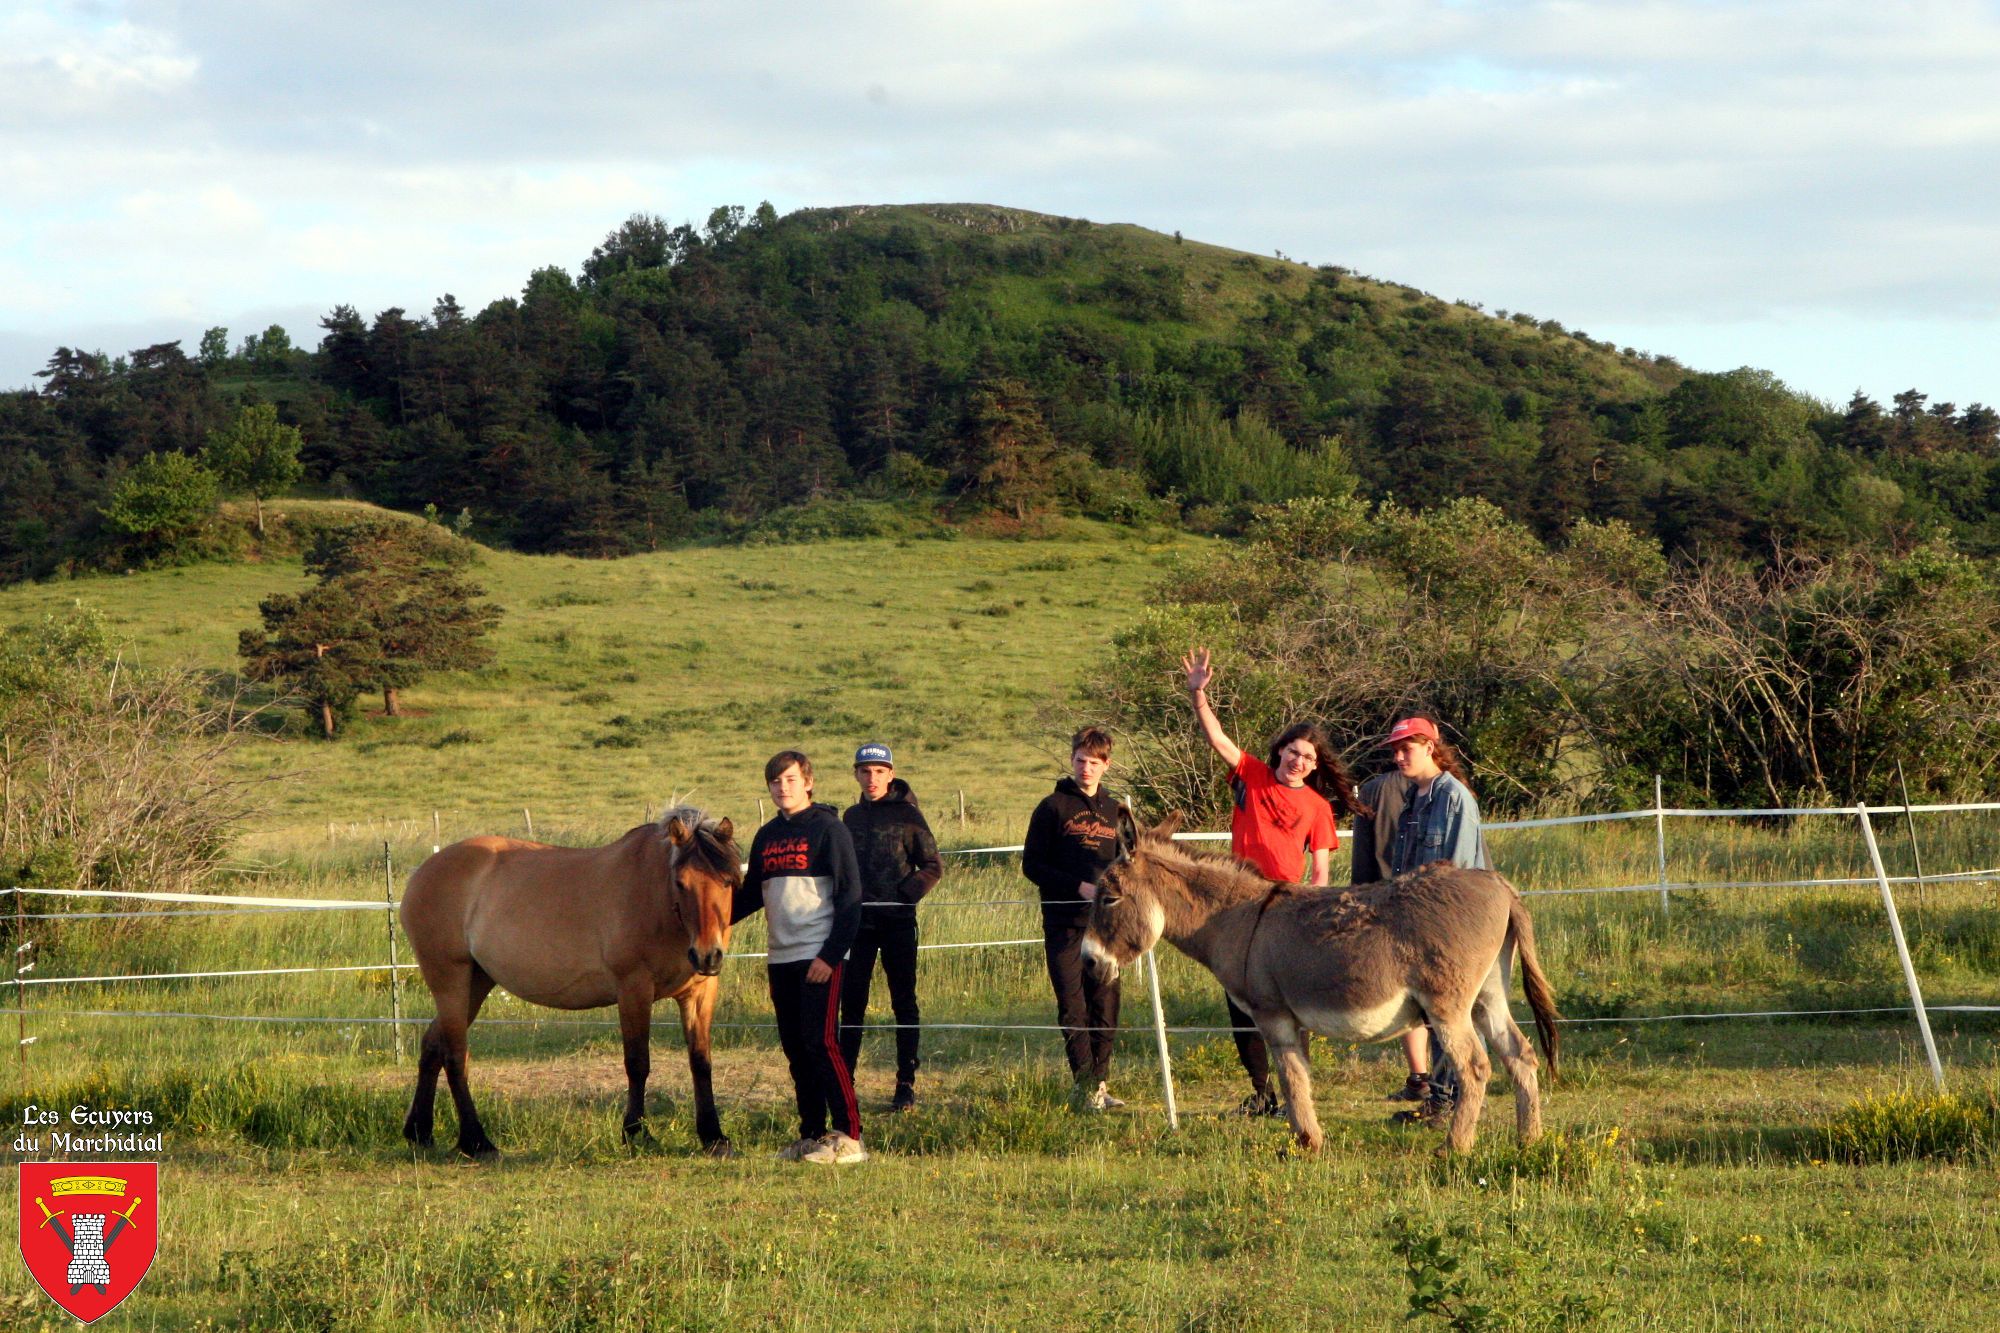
(1086, 1008)
(896, 942)
(1250, 1047)
(808, 1015)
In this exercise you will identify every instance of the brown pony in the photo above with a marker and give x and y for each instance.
(643, 919)
(1361, 964)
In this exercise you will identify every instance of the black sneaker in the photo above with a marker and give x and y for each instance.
(1432, 1113)
(1259, 1106)
(1416, 1088)
(905, 1098)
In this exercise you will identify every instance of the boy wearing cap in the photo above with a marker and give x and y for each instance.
(1423, 812)
(899, 865)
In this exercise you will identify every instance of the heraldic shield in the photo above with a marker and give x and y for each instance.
(89, 1230)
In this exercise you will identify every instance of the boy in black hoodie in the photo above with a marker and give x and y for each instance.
(803, 877)
(1072, 837)
(899, 865)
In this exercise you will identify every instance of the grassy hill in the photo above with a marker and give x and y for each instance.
(1093, 268)
(621, 684)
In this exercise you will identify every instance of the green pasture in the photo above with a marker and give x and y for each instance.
(621, 684)
(1725, 1174)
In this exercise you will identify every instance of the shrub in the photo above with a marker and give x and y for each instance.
(113, 773)
(1906, 1126)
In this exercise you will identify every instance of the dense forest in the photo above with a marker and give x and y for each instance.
(835, 366)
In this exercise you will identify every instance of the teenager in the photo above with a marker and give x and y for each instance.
(803, 877)
(1284, 808)
(899, 864)
(1072, 837)
(1422, 811)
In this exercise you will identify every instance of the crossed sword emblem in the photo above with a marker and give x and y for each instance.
(69, 1242)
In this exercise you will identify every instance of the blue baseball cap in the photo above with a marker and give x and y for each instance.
(874, 753)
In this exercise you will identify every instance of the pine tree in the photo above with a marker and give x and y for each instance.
(322, 644)
(1008, 449)
(404, 579)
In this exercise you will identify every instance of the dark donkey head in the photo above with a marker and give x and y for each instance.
(705, 873)
(1127, 917)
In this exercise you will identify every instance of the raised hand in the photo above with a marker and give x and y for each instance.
(1199, 673)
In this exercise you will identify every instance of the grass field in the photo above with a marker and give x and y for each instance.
(1744, 1173)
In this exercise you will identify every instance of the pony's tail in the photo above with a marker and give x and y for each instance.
(1540, 998)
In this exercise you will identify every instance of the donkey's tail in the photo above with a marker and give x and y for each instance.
(1540, 998)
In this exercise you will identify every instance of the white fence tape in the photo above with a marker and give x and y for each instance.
(202, 904)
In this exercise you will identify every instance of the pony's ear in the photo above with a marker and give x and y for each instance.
(1167, 827)
(677, 832)
(1128, 832)
(725, 831)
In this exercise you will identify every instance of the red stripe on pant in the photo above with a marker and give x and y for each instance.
(833, 1053)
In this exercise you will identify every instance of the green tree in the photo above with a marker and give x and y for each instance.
(405, 579)
(1008, 449)
(321, 644)
(214, 348)
(256, 453)
(160, 506)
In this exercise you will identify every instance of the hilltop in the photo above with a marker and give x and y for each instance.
(869, 370)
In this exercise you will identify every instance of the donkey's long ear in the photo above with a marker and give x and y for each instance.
(677, 832)
(1167, 827)
(1128, 832)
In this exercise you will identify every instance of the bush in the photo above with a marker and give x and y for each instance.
(1907, 1126)
(159, 509)
(114, 774)
(823, 520)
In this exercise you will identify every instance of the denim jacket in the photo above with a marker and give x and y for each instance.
(1440, 825)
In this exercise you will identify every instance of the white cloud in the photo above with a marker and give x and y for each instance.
(1761, 164)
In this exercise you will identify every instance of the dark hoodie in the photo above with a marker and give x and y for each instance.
(802, 874)
(1071, 839)
(898, 857)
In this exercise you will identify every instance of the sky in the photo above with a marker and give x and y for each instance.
(1804, 187)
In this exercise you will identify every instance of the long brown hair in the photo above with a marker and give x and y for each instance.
(1329, 776)
(1447, 755)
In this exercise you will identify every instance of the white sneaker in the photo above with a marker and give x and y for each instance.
(796, 1150)
(1102, 1100)
(837, 1149)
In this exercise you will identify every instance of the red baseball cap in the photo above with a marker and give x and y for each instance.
(1412, 726)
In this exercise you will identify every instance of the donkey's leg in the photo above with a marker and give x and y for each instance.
(1506, 1040)
(1461, 1044)
(697, 1014)
(472, 1140)
(1287, 1041)
(635, 1024)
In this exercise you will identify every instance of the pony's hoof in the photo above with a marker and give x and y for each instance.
(720, 1149)
(483, 1151)
(638, 1136)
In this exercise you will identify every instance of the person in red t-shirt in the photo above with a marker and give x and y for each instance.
(1284, 807)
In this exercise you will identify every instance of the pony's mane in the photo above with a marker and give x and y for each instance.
(707, 839)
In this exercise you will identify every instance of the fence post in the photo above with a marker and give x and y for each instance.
(961, 811)
(1902, 947)
(1916, 853)
(1660, 844)
(437, 833)
(395, 970)
(21, 969)
(529, 815)
(1160, 1036)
